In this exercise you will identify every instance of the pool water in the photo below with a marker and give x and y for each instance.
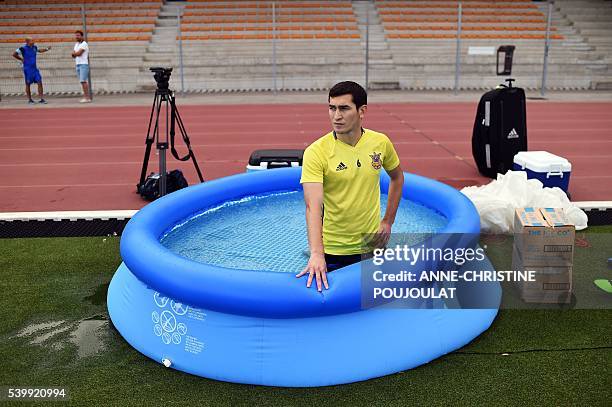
(268, 232)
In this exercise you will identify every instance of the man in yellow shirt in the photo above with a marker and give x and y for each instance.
(340, 176)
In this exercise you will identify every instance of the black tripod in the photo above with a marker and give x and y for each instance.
(164, 96)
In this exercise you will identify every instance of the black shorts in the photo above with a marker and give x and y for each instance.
(335, 261)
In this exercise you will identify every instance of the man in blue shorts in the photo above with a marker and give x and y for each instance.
(81, 59)
(27, 55)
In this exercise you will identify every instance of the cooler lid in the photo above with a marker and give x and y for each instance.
(542, 161)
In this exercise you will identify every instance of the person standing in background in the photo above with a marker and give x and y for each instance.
(27, 55)
(81, 58)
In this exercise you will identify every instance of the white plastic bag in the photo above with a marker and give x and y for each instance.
(497, 201)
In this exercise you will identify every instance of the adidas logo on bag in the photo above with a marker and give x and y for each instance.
(341, 166)
(513, 134)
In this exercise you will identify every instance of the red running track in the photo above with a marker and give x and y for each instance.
(90, 158)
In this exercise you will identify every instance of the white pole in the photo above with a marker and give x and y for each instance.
(367, 47)
(84, 16)
(546, 48)
(458, 52)
(180, 36)
(274, 45)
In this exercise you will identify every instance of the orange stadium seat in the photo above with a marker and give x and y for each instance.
(114, 20)
(474, 36)
(488, 5)
(511, 19)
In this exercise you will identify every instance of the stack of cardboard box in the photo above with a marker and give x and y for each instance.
(544, 243)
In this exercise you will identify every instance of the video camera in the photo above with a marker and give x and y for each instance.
(162, 77)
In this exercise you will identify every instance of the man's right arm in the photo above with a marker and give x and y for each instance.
(316, 268)
(17, 56)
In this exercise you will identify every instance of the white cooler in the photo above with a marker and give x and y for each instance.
(552, 170)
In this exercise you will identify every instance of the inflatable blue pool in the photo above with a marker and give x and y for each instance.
(264, 327)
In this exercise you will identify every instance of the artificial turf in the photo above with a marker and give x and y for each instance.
(527, 357)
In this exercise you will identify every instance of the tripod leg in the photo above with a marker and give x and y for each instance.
(150, 137)
(162, 146)
(176, 116)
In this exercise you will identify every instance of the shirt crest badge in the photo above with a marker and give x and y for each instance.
(376, 163)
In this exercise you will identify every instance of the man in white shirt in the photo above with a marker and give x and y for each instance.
(81, 57)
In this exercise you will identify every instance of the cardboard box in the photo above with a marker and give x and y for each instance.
(544, 237)
(552, 285)
(544, 242)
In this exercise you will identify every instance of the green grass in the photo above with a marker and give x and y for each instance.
(554, 357)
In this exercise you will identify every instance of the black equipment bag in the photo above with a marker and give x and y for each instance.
(149, 189)
(500, 129)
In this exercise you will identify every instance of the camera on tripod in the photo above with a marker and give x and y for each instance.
(158, 184)
(161, 76)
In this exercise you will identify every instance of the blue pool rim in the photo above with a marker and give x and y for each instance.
(263, 294)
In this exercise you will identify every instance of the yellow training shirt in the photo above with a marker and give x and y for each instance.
(351, 186)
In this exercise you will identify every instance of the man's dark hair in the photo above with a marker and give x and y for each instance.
(360, 97)
(79, 32)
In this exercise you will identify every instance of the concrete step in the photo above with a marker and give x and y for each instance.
(379, 54)
(412, 81)
(261, 83)
(595, 25)
(238, 63)
(162, 43)
(198, 54)
(599, 32)
(169, 38)
(383, 84)
(167, 23)
(594, 18)
(147, 60)
(157, 48)
(386, 62)
(602, 84)
(477, 70)
(165, 30)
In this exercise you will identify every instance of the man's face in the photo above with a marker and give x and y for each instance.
(29, 42)
(78, 37)
(344, 115)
